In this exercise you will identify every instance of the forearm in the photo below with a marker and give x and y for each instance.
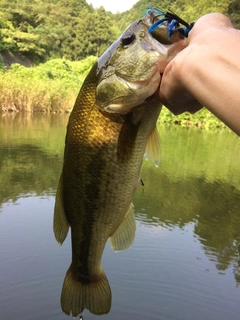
(212, 76)
(207, 72)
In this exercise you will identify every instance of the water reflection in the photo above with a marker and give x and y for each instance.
(213, 207)
(30, 154)
(196, 188)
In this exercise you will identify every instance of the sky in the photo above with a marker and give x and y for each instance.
(113, 5)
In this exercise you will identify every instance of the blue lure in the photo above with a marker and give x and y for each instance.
(174, 22)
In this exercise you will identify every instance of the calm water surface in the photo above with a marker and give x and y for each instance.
(184, 263)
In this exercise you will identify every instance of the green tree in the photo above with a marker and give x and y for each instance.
(24, 18)
(138, 10)
(90, 34)
(191, 10)
(6, 29)
(105, 33)
(233, 11)
(38, 29)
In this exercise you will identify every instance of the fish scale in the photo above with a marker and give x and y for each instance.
(112, 125)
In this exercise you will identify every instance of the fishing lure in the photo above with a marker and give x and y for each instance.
(173, 21)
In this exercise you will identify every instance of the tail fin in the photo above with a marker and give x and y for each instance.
(76, 296)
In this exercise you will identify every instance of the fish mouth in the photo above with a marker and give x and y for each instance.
(134, 94)
(119, 94)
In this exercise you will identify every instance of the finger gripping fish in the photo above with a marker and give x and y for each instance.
(112, 125)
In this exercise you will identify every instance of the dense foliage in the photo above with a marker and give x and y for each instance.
(48, 87)
(188, 10)
(69, 29)
(53, 34)
(73, 29)
(53, 87)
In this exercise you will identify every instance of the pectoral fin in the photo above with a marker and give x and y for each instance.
(153, 147)
(123, 237)
(127, 138)
(60, 223)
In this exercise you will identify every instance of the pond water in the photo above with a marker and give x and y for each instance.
(184, 263)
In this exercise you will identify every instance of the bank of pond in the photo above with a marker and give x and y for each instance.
(52, 87)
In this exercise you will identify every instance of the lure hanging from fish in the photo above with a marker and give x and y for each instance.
(173, 21)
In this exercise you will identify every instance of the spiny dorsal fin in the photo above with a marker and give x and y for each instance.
(124, 236)
(153, 147)
(60, 223)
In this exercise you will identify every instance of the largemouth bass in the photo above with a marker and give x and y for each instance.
(112, 125)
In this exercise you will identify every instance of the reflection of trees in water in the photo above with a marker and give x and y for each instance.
(218, 224)
(31, 149)
(27, 169)
(213, 207)
(236, 271)
(175, 194)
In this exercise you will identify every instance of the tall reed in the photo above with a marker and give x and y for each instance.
(54, 85)
(50, 87)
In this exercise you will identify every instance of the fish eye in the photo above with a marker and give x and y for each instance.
(128, 38)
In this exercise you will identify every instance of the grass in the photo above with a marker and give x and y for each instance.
(52, 87)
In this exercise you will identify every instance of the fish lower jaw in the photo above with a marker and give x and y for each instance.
(142, 90)
(120, 108)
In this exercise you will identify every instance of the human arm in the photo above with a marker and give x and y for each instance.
(206, 72)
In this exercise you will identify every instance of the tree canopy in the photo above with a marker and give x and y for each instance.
(73, 29)
(40, 30)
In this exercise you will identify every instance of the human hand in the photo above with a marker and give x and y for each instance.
(178, 90)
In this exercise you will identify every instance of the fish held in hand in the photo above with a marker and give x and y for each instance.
(111, 126)
(132, 73)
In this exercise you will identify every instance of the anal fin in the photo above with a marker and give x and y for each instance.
(124, 236)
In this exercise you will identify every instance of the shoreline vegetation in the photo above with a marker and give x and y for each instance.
(49, 87)
(52, 87)
(48, 47)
